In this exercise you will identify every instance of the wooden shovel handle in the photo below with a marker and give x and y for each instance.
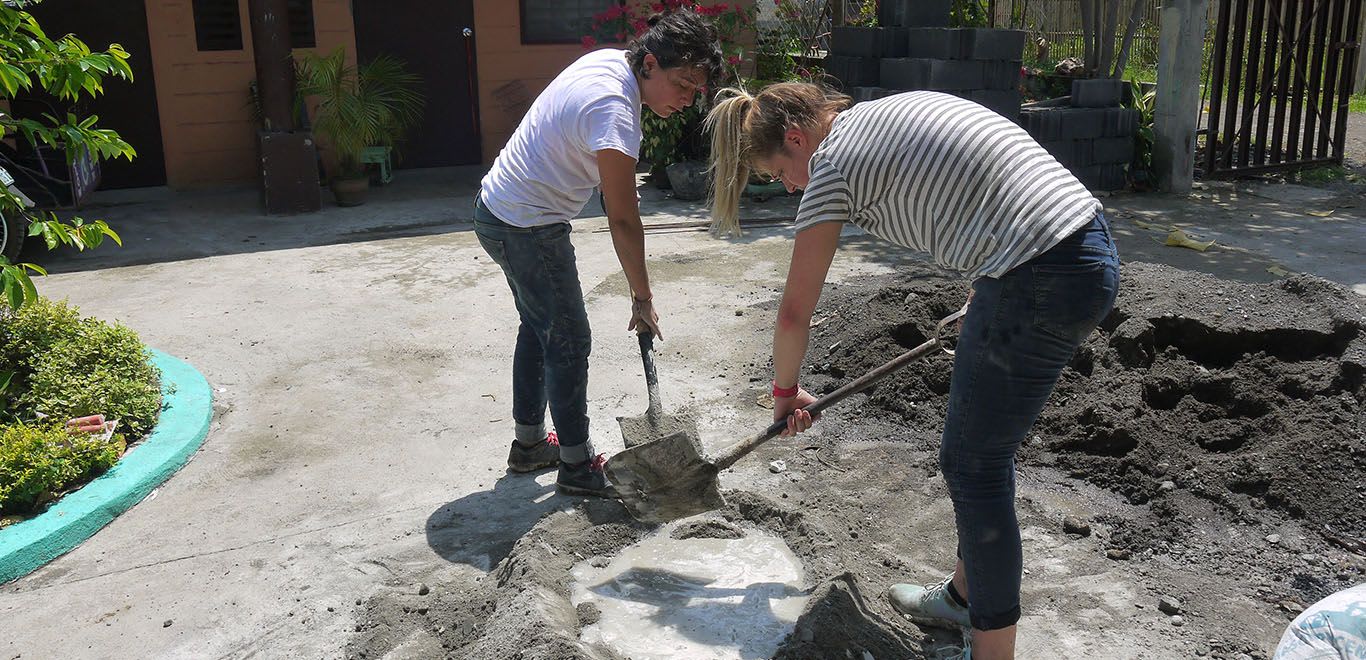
(735, 453)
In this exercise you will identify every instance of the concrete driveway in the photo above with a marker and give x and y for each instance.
(360, 362)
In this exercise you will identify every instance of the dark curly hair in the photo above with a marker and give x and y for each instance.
(678, 38)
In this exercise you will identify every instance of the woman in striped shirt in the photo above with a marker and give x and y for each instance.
(950, 178)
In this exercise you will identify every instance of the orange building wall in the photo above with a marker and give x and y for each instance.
(206, 126)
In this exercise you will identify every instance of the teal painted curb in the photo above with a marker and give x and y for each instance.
(184, 422)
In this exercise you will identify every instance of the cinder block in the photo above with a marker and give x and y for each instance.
(1003, 74)
(949, 75)
(988, 44)
(853, 71)
(1113, 150)
(868, 41)
(1073, 154)
(1042, 123)
(914, 13)
(1003, 102)
(935, 43)
(906, 73)
(1097, 93)
(1121, 122)
(1102, 177)
(1081, 123)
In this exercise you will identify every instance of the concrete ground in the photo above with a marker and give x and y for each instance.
(360, 357)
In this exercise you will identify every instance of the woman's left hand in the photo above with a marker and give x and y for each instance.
(798, 420)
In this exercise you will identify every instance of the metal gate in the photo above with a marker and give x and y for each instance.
(1281, 75)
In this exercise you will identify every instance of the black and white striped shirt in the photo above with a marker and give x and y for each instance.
(943, 175)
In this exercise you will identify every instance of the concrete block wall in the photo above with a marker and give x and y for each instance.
(1094, 142)
(981, 65)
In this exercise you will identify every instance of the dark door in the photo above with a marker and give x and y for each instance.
(430, 37)
(127, 107)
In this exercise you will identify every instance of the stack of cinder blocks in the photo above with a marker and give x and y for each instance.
(1094, 138)
(978, 64)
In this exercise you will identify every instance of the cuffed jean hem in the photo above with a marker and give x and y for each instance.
(530, 434)
(997, 622)
(576, 454)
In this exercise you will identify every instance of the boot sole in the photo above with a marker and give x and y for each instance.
(607, 494)
(523, 468)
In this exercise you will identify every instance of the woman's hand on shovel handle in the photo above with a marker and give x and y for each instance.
(644, 318)
(790, 407)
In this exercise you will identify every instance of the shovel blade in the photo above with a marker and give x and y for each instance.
(666, 479)
(637, 431)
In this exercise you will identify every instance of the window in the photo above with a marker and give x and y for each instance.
(217, 25)
(560, 21)
(301, 24)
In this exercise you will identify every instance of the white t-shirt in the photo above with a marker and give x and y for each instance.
(547, 171)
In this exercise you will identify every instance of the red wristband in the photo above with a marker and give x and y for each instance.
(784, 392)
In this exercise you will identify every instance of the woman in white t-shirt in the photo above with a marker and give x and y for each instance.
(583, 132)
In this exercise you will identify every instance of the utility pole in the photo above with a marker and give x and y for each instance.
(1177, 109)
(288, 158)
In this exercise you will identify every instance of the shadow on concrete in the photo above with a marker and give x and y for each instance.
(480, 529)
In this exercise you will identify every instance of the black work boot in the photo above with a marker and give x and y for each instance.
(586, 478)
(541, 455)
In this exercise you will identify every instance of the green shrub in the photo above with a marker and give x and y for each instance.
(68, 367)
(39, 462)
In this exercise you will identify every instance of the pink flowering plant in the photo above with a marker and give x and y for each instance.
(664, 139)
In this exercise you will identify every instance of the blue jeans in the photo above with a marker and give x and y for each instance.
(1020, 331)
(550, 363)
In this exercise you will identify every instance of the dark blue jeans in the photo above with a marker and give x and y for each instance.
(550, 363)
(1020, 331)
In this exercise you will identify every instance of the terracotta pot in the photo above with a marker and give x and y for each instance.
(351, 191)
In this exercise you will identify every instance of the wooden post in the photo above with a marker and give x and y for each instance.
(274, 62)
(1359, 86)
(837, 15)
(1177, 109)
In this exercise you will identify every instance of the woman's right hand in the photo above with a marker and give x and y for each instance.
(790, 407)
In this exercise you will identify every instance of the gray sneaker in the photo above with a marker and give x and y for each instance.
(539, 456)
(929, 604)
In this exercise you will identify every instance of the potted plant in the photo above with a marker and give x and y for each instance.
(371, 105)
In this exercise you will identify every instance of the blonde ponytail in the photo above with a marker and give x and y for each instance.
(729, 162)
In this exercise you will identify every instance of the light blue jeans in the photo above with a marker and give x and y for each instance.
(1020, 331)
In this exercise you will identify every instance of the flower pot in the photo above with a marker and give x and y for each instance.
(688, 179)
(351, 191)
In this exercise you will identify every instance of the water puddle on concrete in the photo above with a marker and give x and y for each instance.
(693, 597)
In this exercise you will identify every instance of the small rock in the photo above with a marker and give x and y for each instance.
(1178, 621)
(1075, 525)
(1273, 538)
(1168, 486)
(1118, 554)
(1292, 606)
(805, 633)
(777, 467)
(421, 610)
(1169, 605)
(358, 601)
(166, 624)
(910, 297)
(589, 613)
(331, 609)
(599, 562)
(739, 312)
(423, 589)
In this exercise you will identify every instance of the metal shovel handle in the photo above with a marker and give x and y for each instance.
(735, 453)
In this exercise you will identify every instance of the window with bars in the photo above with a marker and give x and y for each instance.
(218, 24)
(560, 21)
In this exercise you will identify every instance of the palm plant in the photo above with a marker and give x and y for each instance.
(359, 107)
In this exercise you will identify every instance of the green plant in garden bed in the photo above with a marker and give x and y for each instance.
(1357, 103)
(55, 366)
(38, 462)
(62, 366)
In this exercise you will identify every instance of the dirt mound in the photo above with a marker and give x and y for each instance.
(1247, 396)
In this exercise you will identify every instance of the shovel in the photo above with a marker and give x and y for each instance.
(654, 424)
(669, 479)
